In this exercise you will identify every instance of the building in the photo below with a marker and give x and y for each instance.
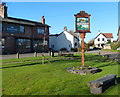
(22, 36)
(118, 34)
(65, 40)
(103, 38)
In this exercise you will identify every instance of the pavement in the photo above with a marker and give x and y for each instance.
(13, 56)
(105, 53)
(109, 54)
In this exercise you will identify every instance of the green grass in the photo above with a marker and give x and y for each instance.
(34, 78)
(111, 50)
(24, 59)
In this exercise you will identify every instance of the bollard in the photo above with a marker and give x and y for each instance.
(35, 54)
(99, 53)
(43, 60)
(49, 53)
(17, 55)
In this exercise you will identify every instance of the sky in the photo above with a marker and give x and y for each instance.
(104, 15)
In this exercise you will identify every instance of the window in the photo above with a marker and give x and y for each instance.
(75, 44)
(11, 28)
(0, 27)
(52, 46)
(39, 43)
(22, 29)
(45, 42)
(23, 43)
(103, 39)
(40, 30)
(2, 43)
(98, 39)
(98, 45)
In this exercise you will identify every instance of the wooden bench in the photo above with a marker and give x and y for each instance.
(63, 53)
(100, 85)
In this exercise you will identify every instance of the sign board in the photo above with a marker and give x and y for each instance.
(82, 22)
(11, 28)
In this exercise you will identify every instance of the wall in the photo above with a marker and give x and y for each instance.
(63, 40)
(76, 41)
(96, 42)
(30, 33)
(53, 42)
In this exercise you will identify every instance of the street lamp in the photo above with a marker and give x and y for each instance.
(82, 24)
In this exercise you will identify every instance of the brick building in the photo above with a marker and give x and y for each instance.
(22, 36)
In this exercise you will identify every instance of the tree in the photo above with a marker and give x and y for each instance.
(115, 45)
(91, 42)
(86, 47)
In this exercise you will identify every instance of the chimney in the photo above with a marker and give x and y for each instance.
(65, 28)
(99, 31)
(43, 20)
(3, 10)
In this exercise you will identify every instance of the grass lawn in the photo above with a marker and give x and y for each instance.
(111, 50)
(34, 78)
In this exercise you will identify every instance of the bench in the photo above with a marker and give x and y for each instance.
(63, 53)
(100, 85)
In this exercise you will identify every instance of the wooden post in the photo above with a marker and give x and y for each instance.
(17, 55)
(82, 36)
(35, 54)
(82, 24)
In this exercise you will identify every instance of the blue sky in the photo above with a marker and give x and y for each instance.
(104, 15)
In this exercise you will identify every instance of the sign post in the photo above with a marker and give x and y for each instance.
(82, 23)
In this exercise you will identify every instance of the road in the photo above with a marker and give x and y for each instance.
(109, 54)
(113, 55)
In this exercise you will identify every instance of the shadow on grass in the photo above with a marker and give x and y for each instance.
(99, 70)
(66, 59)
(96, 58)
(49, 62)
(21, 65)
(118, 80)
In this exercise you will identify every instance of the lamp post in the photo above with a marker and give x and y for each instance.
(82, 24)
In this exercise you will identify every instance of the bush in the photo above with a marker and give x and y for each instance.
(63, 49)
(115, 45)
(91, 43)
(85, 48)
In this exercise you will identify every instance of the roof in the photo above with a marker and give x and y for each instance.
(107, 35)
(82, 13)
(22, 21)
(70, 32)
(54, 35)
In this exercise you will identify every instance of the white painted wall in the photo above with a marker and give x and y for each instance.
(64, 40)
(101, 36)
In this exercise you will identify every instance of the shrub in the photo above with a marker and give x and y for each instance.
(63, 49)
(91, 43)
(115, 45)
(85, 48)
